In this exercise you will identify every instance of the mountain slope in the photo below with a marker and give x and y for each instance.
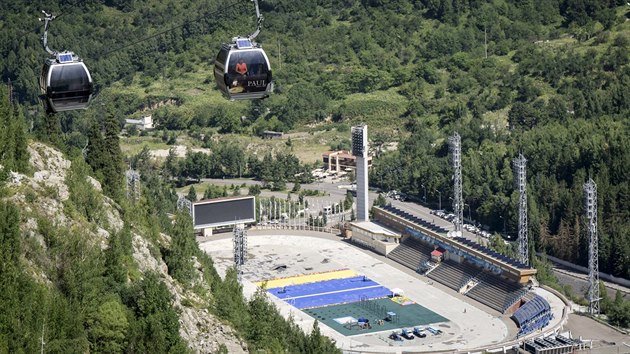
(67, 253)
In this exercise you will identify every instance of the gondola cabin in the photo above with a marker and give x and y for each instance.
(65, 83)
(242, 71)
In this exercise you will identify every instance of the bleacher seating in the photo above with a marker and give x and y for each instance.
(411, 253)
(491, 290)
(452, 274)
(495, 292)
(492, 253)
(414, 219)
(533, 315)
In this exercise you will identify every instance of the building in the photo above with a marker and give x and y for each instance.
(143, 123)
(339, 161)
(374, 236)
(269, 134)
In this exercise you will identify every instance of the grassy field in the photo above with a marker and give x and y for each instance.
(308, 147)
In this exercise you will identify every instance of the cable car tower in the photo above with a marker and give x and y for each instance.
(590, 194)
(65, 81)
(455, 143)
(520, 177)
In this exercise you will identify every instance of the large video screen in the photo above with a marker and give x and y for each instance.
(222, 212)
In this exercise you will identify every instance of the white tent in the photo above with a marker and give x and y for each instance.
(397, 292)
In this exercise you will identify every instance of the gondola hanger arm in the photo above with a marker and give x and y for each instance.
(259, 21)
(47, 18)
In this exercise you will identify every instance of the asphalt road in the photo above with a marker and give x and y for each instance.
(604, 339)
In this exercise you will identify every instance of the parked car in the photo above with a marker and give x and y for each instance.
(419, 332)
(395, 336)
(434, 330)
(407, 334)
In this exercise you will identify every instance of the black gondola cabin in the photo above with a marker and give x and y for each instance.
(242, 70)
(66, 83)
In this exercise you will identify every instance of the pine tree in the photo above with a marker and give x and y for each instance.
(10, 249)
(51, 130)
(115, 258)
(113, 170)
(192, 194)
(96, 151)
(105, 157)
(4, 114)
(20, 151)
(14, 154)
(179, 258)
(230, 303)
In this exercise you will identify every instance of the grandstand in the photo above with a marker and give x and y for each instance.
(533, 315)
(496, 292)
(411, 253)
(452, 274)
(487, 276)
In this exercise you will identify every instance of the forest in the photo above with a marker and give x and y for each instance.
(546, 78)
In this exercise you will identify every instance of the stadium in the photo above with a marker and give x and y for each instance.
(395, 283)
(359, 297)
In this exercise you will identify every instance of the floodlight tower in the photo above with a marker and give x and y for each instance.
(520, 164)
(590, 194)
(360, 151)
(455, 143)
(240, 248)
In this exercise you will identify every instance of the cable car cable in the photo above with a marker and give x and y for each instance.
(207, 14)
(66, 83)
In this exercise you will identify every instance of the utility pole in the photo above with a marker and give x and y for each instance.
(440, 200)
(425, 193)
(590, 194)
